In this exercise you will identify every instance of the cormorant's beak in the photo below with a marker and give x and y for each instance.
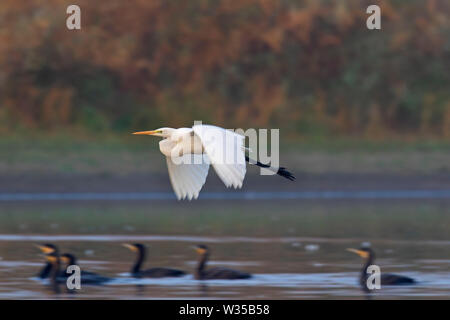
(199, 250)
(44, 249)
(52, 259)
(147, 133)
(64, 259)
(361, 253)
(130, 246)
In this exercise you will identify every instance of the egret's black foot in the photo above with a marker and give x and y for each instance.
(286, 174)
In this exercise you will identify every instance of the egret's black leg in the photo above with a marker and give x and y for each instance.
(281, 171)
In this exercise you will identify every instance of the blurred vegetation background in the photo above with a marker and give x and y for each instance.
(311, 68)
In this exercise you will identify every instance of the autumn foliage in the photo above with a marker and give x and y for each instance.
(309, 67)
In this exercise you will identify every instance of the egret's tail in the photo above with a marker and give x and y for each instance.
(279, 171)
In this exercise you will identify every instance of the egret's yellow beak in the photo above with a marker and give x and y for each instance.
(130, 246)
(148, 133)
(361, 253)
(45, 249)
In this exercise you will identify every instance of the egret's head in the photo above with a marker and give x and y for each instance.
(201, 249)
(161, 132)
(363, 252)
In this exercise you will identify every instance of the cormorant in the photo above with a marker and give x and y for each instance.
(149, 273)
(387, 279)
(46, 249)
(202, 273)
(89, 278)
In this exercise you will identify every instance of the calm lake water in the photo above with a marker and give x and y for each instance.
(295, 248)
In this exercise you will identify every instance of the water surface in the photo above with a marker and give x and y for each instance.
(295, 249)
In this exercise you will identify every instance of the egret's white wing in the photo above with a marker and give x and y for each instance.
(226, 152)
(187, 178)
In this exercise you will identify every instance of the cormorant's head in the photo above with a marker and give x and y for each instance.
(52, 258)
(47, 248)
(136, 247)
(363, 252)
(68, 259)
(201, 249)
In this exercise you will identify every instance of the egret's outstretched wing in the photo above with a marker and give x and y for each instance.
(225, 150)
(187, 178)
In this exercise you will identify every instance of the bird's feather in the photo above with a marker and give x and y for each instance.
(226, 152)
(187, 175)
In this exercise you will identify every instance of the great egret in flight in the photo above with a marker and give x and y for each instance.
(185, 150)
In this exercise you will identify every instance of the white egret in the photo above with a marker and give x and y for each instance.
(189, 151)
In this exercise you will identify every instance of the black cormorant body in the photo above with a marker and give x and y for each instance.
(137, 272)
(202, 273)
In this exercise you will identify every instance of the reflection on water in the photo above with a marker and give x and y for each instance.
(295, 250)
